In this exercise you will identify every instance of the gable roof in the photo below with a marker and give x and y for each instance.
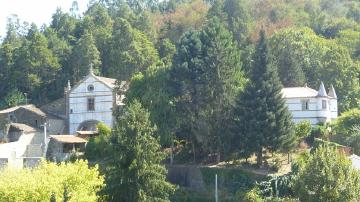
(109, 82)
(22, 127)
(68, 139)
(29, 107)
(296, 92)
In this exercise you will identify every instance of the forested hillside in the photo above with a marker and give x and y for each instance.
(205, 82)
(310, 40)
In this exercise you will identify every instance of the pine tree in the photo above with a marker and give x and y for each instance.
(136, 173)
(184, 83)
(289, 69)
(206, 75)
(85, 54)
(262, 118)
(36, 67)
(130, 51)
(221, 77)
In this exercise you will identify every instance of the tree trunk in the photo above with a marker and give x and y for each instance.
(288, 157)
(259, 158)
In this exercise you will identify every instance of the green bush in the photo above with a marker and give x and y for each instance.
(231, 180)
(252, 196)
(303, 129)
(327, 176)
(98, 147)
(353, 140)
(50, 181)
(277, 186)
(347, 121)
(321, 143)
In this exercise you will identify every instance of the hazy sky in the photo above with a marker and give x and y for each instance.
(37, 11)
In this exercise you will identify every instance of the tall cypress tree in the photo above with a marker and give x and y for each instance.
(263, 120)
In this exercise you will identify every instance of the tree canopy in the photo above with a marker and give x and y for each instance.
(327, 176)
(49, 181)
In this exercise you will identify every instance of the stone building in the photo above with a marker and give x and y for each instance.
(61, 147)
(30, 116)
(308, 104)
(25, 146)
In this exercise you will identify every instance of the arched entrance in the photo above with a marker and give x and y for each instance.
(89, 125)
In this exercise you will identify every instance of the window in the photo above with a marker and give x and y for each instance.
(305, 105)
(90, 88)
(323, 104)
(91, 104)
(68, 148)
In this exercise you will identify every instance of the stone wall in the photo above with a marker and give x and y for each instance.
(31, 162)
(29, 118)
(3, 162)
(186, 176)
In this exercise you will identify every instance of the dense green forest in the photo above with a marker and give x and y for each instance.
(309, 40)
(205, 80)
(192, 64)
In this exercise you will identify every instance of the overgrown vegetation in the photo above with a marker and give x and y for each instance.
(59, 182)
(202, 74)
(327, 176)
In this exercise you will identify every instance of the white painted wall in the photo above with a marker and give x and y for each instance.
(18, 147)
(315, 113)
(78, 104)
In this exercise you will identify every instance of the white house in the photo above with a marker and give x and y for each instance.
(90, 101)
(308, 104)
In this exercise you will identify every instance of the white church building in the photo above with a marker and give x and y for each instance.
(308, 104)
(90, 101)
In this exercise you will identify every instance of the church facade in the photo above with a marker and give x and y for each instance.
(90, 101)
(306, 103)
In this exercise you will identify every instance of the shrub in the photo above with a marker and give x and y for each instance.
(354, 139)
(232, 180)
(49, 182)
(327, 176)
(253, 196)
(98, 147)
(303, 129)
(277, 186)
(347, 121)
